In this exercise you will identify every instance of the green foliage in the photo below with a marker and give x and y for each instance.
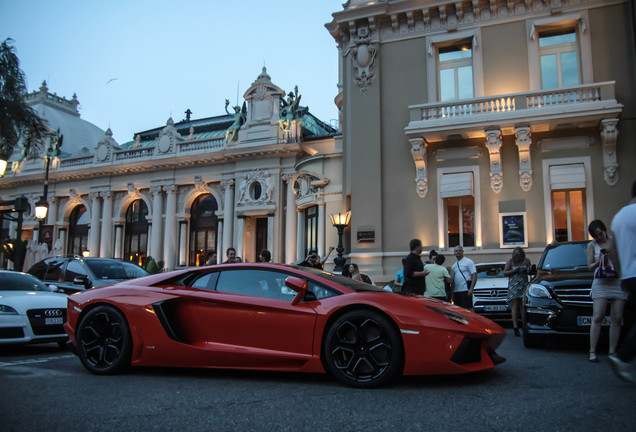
(17, 119)
(153, 266)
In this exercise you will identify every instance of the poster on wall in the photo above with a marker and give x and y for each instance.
(513, 230)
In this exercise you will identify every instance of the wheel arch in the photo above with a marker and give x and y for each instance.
(356, 307)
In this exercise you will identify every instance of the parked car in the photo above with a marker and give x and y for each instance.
(276, 317)
(71, 274)
(557, 301)
(491, 289)
(29, 311)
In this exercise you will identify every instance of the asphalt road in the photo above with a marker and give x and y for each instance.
(44, 388)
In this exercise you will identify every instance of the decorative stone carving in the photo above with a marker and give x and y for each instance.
(133, 191)
(256, 188)
(155, 190)
(523, 141)
(227, 183)
(363, 53)
(609, 137)
(168, 137)
(106, 146)
(420, 157)
(74, 197)
(307, 184)
(493, 144)
(200, 185)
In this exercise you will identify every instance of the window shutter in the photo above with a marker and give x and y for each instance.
(571, 176)
(457, 184)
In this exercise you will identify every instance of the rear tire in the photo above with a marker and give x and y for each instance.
(363, 349)
(104, 344)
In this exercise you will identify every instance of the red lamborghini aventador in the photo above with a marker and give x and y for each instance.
(276, 317)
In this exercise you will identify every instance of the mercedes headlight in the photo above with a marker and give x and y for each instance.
(539, 291)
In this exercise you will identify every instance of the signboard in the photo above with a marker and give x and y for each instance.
(513, 230)
(366, 236)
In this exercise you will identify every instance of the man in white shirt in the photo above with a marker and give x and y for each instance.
(464, 279)
(624, 233)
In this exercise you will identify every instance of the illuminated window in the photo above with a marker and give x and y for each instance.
(77, 231)
(460, 219)
(203, 229)
(459, 207)
(136, 238)
(569, 215)
(311, 229)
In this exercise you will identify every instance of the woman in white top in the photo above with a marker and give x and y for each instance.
(604, 289)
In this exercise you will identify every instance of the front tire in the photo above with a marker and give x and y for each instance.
(104, 344)
(530, 340)
(363, 349)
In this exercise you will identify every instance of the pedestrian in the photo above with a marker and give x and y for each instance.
(230, 253)
(211, 258)
(312, 260)
(398, 281)
(601, 249)
(354, 273)
(464, 279)
(414, 274)
(624, 233)
(436, 278)
(516, 270)
(431, 257)
(265, 256)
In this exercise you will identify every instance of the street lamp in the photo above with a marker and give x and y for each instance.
(340, 222)
(42, 206)
(3, 166)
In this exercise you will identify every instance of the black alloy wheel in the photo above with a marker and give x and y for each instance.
(363, 349)
(530, 340)
(104, 343)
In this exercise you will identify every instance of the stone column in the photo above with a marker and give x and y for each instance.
(270, 234)
(170, 245)
(291, 236)
(300, 250)
(96, 212)
(183, 243)
(106, 243)
(321, 229)
(219, 243)
(118, 237)
(240, 226)
(157, 232)
(51, 216)
(227, 185)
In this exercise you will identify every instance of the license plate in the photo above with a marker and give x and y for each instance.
(586, 321)
(53, 321)
(496, 308)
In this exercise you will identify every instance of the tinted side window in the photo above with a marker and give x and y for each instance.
(74, 269)
(257, 283)
(54, 270)
(206, 281)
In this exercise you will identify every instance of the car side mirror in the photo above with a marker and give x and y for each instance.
(533, 270)
(81, 280)
(298, 285)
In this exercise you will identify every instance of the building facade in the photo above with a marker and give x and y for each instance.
(488, 124)
(263, 177)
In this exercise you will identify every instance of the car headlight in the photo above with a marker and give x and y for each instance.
(453, 316)
(7, 310)
(539, 291)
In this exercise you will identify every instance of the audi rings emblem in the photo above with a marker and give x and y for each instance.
(53, 312)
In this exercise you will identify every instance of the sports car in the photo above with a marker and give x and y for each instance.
(29, 311)
(276, 317)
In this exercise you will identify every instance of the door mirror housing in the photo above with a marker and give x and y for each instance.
(81, 280)
(298, 285)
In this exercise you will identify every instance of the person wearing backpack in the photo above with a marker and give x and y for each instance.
(606, 286)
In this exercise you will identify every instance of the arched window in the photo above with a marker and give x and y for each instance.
(203, 228)
(77, 231)
(136, 239)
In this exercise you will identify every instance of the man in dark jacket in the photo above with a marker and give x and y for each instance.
(414, 274)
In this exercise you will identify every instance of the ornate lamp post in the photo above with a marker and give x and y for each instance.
(20, 205)
(340, 222)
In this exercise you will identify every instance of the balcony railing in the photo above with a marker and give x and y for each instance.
(213, 144)
(583, 94)
(133, 154)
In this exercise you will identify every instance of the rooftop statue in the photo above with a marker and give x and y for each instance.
(289, 109)
(240, 115)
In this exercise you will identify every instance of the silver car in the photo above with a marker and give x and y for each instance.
(489, 295)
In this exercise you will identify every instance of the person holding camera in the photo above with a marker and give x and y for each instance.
(516, 270)
(606, 287)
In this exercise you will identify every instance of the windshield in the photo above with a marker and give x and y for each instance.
(112, 269)
(566, 256)
(10, 281)
(490, 271)
(342, 280)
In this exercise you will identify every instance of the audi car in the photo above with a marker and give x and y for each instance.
(29, 311)
(491, 289)
(276, 317)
